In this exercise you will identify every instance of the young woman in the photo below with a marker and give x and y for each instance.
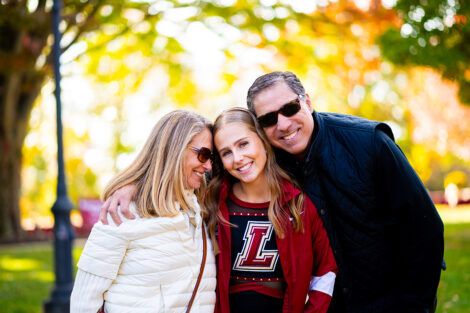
(151, 263)
(274, 251)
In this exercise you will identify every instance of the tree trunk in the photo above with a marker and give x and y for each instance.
(17, 104)
(10, 178)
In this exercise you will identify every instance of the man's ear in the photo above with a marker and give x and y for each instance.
(309, 103)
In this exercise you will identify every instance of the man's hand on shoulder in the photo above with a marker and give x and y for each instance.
(119, 201)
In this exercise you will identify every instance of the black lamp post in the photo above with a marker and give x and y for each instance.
(59, 301)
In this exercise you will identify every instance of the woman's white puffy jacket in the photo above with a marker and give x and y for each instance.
(145, 265)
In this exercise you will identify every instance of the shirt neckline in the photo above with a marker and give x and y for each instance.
(251, 205)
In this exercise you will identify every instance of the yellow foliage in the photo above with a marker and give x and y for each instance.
(420, 159)
(459, 178)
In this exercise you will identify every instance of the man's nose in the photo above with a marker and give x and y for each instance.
(283, 122)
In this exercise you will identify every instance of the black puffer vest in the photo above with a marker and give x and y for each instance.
(384, 230)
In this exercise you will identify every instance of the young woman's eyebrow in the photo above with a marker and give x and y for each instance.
(237, 141)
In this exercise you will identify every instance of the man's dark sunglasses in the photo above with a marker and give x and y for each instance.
(203, 154)
(288, 110)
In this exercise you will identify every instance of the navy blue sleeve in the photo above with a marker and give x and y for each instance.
(419, 229)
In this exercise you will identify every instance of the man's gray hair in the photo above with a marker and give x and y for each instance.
(268, 80)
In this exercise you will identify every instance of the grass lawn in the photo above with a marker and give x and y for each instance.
(454, 288)
(26, 274)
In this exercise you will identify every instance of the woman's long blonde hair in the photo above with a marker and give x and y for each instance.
(157, 171)
(276, 213)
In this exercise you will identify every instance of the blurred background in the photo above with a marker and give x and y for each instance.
(126, 63)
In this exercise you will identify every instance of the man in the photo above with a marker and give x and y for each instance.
(384, 229)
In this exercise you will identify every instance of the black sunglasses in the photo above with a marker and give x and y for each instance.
(289, 109)
(203, 154)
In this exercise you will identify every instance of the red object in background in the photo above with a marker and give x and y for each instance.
(90, 211)
(438, 197)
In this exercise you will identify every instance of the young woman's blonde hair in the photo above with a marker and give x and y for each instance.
(276, 213)
(157, 171)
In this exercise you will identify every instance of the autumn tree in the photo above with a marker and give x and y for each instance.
(25, 64)
(434, 34)
(23, 36)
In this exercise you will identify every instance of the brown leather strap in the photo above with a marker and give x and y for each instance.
(203, 264)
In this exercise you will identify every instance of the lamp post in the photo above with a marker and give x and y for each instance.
(59, 301)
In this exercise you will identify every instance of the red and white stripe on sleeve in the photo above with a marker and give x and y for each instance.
(320, 293)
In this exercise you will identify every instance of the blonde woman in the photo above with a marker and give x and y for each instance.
(274, 251)
(152, 263)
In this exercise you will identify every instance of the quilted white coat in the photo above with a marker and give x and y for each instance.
(153, 264)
